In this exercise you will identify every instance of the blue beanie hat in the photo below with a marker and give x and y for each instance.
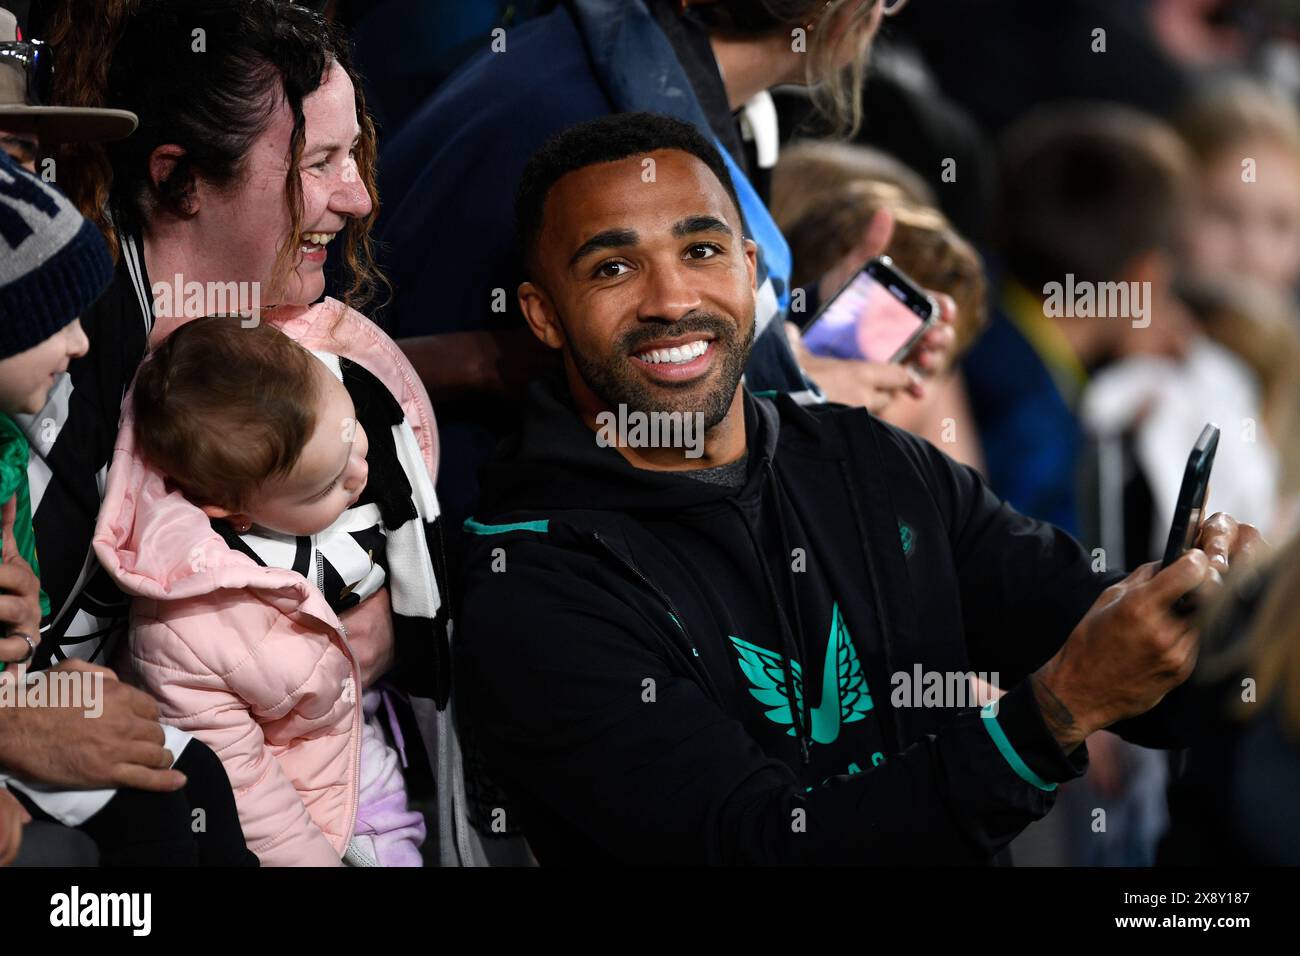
(53, 263)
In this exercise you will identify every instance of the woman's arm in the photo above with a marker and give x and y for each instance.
(369, 628)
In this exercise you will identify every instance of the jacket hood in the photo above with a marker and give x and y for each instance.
(156, 544)
(555, 462)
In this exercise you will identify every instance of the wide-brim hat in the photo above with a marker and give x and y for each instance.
(53, 124)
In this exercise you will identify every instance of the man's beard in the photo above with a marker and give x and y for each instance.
(615, 381)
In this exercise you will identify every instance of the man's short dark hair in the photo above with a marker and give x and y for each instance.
(604, 140)
(1087, 189)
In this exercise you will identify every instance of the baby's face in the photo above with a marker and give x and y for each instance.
(330, 474)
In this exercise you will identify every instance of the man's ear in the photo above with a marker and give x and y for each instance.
(751, 263)
(540, 314)
(163, 163)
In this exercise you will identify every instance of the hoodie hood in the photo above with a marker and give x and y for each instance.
(555, 463)
(156, 544)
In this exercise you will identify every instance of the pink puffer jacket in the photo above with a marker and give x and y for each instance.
(249, 659)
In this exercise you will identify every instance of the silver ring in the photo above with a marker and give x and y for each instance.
(31, 645)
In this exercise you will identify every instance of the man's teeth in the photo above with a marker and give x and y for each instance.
(317, 238)
(677, 355)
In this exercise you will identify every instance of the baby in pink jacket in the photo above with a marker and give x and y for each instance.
(285, 485)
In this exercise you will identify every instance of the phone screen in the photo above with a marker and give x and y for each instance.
(866, 320)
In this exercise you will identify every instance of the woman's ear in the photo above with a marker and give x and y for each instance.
(163, 167)
(214, 511)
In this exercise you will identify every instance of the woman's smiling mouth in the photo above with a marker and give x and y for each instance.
(313, 245)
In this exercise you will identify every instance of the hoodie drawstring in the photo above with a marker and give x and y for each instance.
(877, 600)
(791, 645)
(794, 593)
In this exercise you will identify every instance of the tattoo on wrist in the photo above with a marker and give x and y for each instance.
(1056, 715)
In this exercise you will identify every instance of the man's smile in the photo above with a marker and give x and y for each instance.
(676, 360)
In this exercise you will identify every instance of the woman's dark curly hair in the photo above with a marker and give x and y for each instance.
(205, 75)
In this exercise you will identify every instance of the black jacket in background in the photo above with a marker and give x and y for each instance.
(627, 634)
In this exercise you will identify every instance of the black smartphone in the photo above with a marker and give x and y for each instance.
(879, 316)
(1191, 496)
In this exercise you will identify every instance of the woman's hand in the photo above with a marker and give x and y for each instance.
(13, 817)
(20, 593)
(933, 354)
(370, 635)
(873, 385)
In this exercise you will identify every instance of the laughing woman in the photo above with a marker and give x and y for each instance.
(252, 164)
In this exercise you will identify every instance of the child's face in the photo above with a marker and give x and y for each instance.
(1245, 228)
(330, 474)
(26, 378)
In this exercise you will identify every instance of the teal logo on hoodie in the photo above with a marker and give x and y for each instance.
(844, 696)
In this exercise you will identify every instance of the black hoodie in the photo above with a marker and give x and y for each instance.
(628, 640)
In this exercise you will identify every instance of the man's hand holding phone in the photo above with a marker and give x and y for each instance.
(1132, 648)
(1227, 542)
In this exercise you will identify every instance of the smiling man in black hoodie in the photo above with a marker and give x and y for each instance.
(689, 654)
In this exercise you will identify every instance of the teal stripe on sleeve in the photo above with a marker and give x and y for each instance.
(1008, 752)
(479, 528)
